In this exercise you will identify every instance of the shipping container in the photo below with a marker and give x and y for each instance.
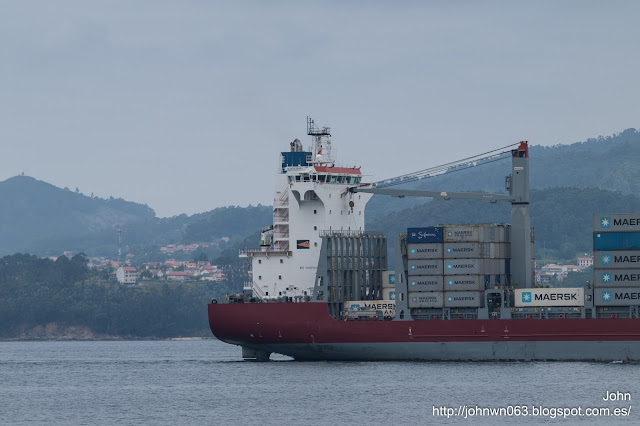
(424, 251)
(499, 250)
(389, 293)
(616, 222)
(616, 277)
(629, 296)
(430, 234)
(467, 283)
(463, 250)
(473, 250)
(425, 283)
(463, 299)
(474, 267)
(387, 307)
(426, 300)
(424, 267)
(570, 296)
(607, 259)
(475, 233)
(612, 241)
(388, 279)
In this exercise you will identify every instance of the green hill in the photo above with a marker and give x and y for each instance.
(610, 163)
(40, 218)
(32, 211)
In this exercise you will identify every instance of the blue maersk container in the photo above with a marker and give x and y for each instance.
(616, 241)
(430, 234)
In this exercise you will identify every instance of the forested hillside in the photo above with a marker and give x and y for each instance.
(40, 293)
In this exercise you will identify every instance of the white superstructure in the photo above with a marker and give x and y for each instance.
(311, 197)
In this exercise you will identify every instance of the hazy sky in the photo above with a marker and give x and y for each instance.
(184, 105)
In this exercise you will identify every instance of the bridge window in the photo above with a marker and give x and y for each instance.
(322, 178)
(298, 178)
(333, 179)
(306, 178)
(290, 178)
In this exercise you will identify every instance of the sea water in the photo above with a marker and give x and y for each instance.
(206, 382)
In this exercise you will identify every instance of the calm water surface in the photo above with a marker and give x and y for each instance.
(205, 382)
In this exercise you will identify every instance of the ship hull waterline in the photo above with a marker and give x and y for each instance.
(305, 331)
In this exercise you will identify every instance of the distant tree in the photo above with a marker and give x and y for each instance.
(201, 257)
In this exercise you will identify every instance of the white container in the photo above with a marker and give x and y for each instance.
(430, 299)
(424, 267)
(616, 222)
(526, 297)
(389, 293)
(616, 277)
(388, 279)
(425, 283)
(463, 299)
(424, 251)
(629, 296)
(628, 259)
(387, 307)
(474, 267)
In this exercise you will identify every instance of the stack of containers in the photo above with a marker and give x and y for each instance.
(451, 266)
(476, 258)
(425, 267)
(616, 259)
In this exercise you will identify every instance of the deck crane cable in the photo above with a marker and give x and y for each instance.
(454, 166)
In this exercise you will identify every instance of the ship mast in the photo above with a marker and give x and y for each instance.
(321, 145)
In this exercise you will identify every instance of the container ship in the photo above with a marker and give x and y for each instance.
(320, 288)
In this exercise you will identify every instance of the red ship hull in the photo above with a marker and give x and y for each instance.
(306, 331)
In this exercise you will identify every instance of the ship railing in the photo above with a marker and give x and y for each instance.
(257, 291)
(350, 233)
(256, 251)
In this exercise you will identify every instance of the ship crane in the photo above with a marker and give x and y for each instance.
(517, 183)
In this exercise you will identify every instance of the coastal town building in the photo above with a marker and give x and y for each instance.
(127, 275)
